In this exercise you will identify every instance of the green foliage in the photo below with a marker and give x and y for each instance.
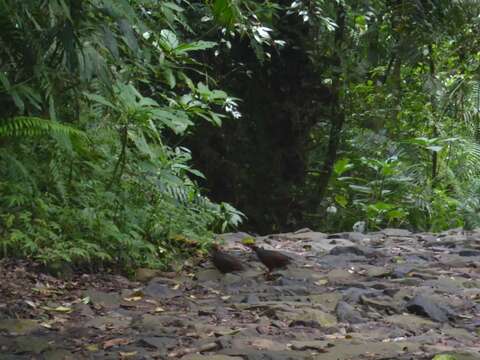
(352, 111)
(23, 126)
(93, 96)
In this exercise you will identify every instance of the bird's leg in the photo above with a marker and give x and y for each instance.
(268, 275)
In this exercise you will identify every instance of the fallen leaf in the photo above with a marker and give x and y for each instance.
(159, 309)
(92, 347)
(133, 298)
(62, 309)
(126, 355)
(115, 342)
(31, 303)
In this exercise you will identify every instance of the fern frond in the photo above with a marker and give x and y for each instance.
(15, 169)
(34, 126)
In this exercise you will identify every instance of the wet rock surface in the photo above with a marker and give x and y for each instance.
(391, 294)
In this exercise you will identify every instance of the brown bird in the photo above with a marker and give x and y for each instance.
(271, 259)
(224, 262)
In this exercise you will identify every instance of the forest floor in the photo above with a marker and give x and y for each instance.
(384, 295)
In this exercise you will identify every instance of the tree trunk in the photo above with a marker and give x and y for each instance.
(337, 113)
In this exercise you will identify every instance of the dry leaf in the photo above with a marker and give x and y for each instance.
(133, 298)
(31, 303)
(115, 342)
(62, 309)
(126, 355)
(92, 347)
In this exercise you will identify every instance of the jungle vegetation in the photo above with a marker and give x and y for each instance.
(131, 131)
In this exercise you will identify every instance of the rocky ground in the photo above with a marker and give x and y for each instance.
(384, 295)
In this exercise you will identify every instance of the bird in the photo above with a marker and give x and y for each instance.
(224, 262)
(270, 258)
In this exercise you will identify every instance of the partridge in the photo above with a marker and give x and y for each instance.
(224, 262)
(270, 258)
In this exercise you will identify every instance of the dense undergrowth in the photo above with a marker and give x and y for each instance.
(326, 114)
(89, 93)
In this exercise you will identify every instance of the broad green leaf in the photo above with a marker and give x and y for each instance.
(99, 99)
(382, 206)
(341, 200)
(341, 166)
(173, 6)
(396, 214)
(194, 46)
(170, 78)
(168, 39)
(362, 189)
(4, 81)
(224, 12)
(435, 148)
(196, 173)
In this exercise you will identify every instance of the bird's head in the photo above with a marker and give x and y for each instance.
(214, 247)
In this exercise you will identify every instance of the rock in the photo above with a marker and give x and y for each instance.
(396, 232)
(312, 236)
(19, 326)
(412, 323)
(208, 275)
(341, 250)
(328, 300)
(428, 306)
(469, 252)
(210, 357)
(296, 316)
(356, 237)
(32, 344)
(400, 271)
(385, 305)
(112, 320)
(347, 313)
(158, 325)
(144, 275)
(232, 280)
(378, 271)
(316, 345)
(324, 245)
(339, 276)
(59, 354)
(158, 342)
(353, 295)
(266, 344)
(232, 239)
(251, 299)
(109, 300)
(157, 288)
(302, 231)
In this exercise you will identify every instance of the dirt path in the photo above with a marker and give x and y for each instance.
(387, 295)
